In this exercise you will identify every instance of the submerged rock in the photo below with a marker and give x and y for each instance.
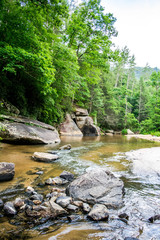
(63, 201)
(58, 210)
(67, 176)
(1, 203)
(86, 207)
(7, 171)
(97, 186)
(18, 202)
(44, 157)
(66, 147)
(99, 212)
(9, 208)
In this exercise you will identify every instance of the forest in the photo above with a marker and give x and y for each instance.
(56, 54)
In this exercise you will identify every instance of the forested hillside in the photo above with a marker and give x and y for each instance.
(56, 54)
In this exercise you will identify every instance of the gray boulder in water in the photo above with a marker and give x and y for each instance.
(99, 212)
(98, 186)
(7, 171)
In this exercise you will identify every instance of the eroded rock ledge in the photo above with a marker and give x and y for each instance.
(23, 130)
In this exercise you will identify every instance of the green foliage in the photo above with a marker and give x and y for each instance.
(124, 131)
(147, 126)
(53, 56)
(131, 122)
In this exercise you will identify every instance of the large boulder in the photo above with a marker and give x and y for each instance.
(90, 130)
(7, 171)
(81, 120)
(69, 128)
(28, 133)
(98, 186)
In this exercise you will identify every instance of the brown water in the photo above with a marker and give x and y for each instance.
(139, 169)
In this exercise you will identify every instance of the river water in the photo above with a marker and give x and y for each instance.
(135, 161)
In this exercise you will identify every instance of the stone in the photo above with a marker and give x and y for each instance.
(37, 197)
(78, 203)
(63, 201)
(9, 209)
(90, 130)
(1, 203)
(154, 218)
(67, 176)
(66, 147)
(74, 218)
(81, 111)
(129, 132)
(7, 171)
(82, 120)
(44, 157)
(18, 202)
(40, 212)
(59, 181)
(97, 186)
(99, 212)
(123, 216)
(28, 134)
(30, 190)
(49, 181)
(37, 202)
(60, 190)
(86, 207)
(58, 210)
(69, 128)
(72, 207)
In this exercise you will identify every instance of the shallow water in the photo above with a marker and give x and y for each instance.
(136, 161)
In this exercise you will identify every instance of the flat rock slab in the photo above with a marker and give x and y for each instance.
(44, 157)
(7, 171)
(28, 134)
(97, 186)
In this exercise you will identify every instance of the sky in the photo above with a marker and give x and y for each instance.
(138, 26)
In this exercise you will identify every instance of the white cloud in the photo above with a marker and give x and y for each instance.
(138, 27)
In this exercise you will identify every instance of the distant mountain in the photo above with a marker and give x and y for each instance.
(141, 71)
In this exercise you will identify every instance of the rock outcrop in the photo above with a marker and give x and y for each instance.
(98, 186)
(79, 123)
(69, 128)
(26, 131)
(85, 123)
(7, 171)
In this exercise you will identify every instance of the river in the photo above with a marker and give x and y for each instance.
(135, 161)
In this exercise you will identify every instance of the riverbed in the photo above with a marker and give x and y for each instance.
(135, 161)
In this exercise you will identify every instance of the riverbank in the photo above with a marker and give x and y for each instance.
(148, 137)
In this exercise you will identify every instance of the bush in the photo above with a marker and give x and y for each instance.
(147, 126)
(124, 132)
